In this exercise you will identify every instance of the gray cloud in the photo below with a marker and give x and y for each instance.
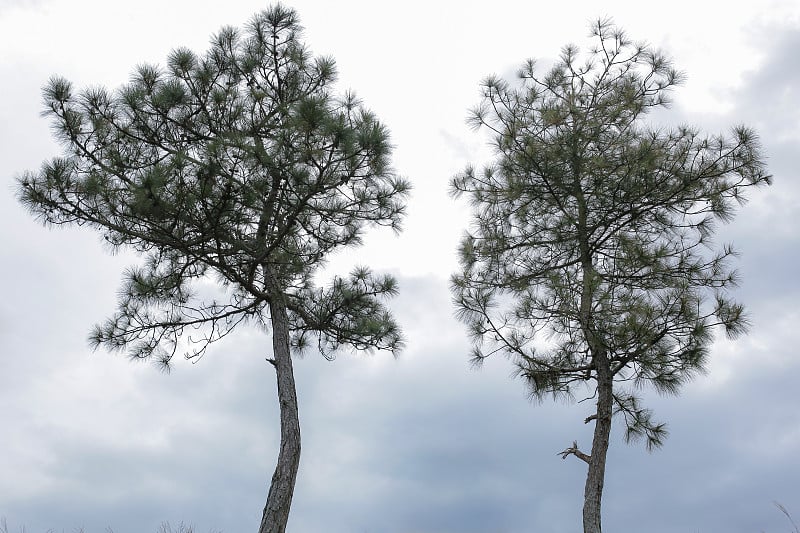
(418, 444)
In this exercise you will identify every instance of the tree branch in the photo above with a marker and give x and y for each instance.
(573, 450)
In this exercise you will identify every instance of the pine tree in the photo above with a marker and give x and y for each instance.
(239, 166)
(590, 261)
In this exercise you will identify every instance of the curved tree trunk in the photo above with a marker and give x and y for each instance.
(593, 492)
(281, 490)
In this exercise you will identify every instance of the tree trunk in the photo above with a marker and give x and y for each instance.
(281, 490)
(593, 493)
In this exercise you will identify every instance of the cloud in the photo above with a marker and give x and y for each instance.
(418, 444)
(9, 5)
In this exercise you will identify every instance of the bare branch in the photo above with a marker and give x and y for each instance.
(573, 450)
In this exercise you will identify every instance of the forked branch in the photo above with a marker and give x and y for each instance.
(573, 450)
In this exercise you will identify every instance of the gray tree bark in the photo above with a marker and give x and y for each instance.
(281, 490)
(593, 492)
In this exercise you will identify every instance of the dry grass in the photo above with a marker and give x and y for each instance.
(164, 528)
(782, 509)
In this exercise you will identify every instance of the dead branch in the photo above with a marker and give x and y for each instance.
(576, 452)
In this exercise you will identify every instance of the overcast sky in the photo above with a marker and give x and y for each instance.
(422, 443)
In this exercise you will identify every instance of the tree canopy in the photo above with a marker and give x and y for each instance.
(242, 164)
